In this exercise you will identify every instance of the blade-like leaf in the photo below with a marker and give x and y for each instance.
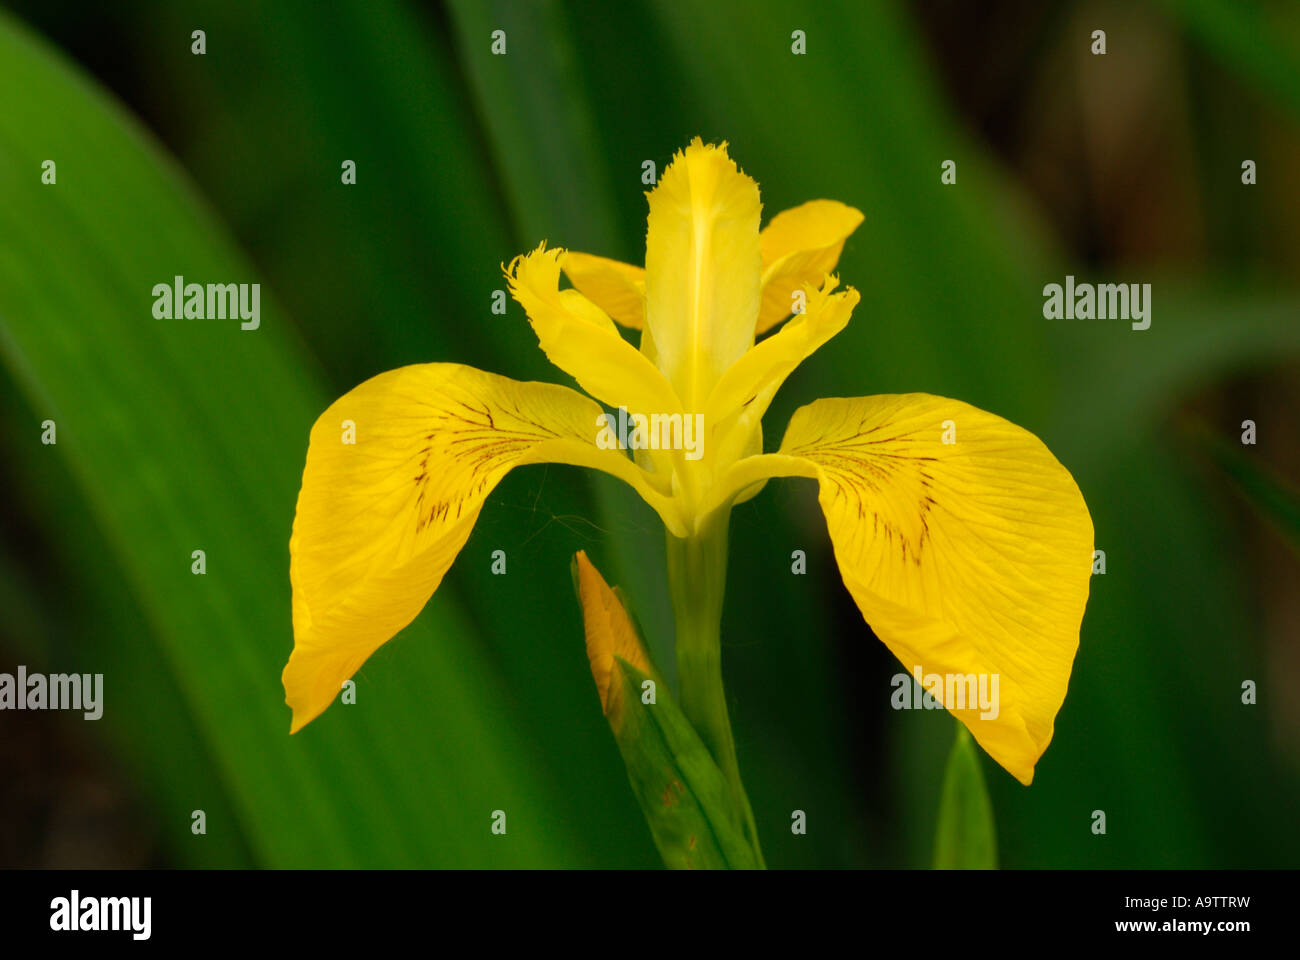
(189, 434)
(965, 838)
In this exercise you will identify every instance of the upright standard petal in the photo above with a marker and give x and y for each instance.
(702, 268)
(966, 545)
(800, 246)
(578, 337)
(397, 472)
(738, 402)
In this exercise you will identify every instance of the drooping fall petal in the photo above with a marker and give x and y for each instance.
(800, 246)
(703, 268)
(969, 559)
(397, 472)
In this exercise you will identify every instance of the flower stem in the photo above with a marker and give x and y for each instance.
(697, 579)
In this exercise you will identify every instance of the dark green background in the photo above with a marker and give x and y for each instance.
(184, 435)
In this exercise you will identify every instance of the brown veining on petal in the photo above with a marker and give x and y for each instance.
(871, 479)
(467, 436)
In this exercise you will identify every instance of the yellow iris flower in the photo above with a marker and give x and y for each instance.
(965, 543)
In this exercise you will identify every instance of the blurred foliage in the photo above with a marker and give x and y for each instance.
(1271, 496)
(176, 436)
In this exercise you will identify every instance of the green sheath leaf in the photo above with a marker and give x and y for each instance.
(681, 791)
(965, 839)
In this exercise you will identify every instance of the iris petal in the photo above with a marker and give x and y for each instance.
(970, 559)
(380, 519)
(703, 268)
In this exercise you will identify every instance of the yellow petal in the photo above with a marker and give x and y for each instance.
(579, 338)
(380, 520)
(610, 634)
(617, 288)
(753, 448)
(966, 558)
(741, 398)
(800, 246)
(702, 268)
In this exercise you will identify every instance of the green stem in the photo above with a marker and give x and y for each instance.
(697, 579)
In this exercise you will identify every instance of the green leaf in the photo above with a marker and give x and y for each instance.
(682, 793)
(686, 799)
(965, 838)
(190, 434)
